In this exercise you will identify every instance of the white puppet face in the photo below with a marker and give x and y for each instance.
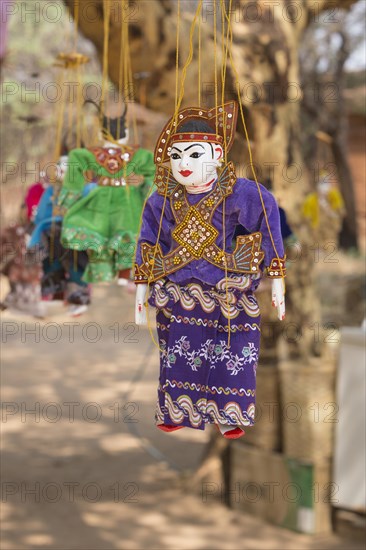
(195, 163)
(62, 167)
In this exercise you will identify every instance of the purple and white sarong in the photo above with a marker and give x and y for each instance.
(202, 379)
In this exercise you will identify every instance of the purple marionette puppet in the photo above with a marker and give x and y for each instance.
(201, 286)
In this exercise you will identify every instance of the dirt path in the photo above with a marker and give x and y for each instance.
(87, 469)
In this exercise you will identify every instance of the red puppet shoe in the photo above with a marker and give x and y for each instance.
(234, 433)
(168, 427)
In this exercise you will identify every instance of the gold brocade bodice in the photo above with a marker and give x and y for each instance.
(195, 234)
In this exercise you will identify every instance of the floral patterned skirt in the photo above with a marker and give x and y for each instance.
(203, 379)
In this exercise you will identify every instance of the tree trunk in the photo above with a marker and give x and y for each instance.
(266, 57)
(339, 132)
(330, 117)
(349, 233)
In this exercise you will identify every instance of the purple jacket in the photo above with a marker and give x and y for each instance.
(242, 208)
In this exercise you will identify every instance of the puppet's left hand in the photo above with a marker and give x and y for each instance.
(278, 297)
(135, 180)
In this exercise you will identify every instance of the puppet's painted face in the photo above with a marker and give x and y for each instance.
(62, 167)
(195, 164)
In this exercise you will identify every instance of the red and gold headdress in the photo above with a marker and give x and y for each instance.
(221, 119)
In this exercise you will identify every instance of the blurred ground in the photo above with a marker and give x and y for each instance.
(94, 479)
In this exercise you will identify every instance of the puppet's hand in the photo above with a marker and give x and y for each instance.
(278, 297)
(140, 309)
(135, 180)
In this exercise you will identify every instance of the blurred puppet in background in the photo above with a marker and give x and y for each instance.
(325, 210)
(21, 266)
(203, 289)
(105, 223)
(62, 269)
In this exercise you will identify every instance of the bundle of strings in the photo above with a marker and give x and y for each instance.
(75, 61)
(72, 64)
(227, 57)
(125, 74)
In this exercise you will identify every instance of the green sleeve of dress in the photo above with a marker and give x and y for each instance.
(79, 161)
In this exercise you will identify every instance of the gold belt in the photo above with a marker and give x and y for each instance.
(111, 182)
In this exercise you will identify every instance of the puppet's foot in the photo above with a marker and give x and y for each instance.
(168, 427)
(123, 277)
(76, 311)
(229, 432)
(234, 433)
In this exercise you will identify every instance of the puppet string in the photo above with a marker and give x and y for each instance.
(248, 142)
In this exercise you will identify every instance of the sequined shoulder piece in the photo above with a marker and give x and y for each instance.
(112, 159)
(227, 179)
(164, 181)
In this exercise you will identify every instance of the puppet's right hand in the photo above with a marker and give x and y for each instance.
(135, 180)
(140, 308)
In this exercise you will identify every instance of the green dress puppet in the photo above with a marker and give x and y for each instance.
(106, 221)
